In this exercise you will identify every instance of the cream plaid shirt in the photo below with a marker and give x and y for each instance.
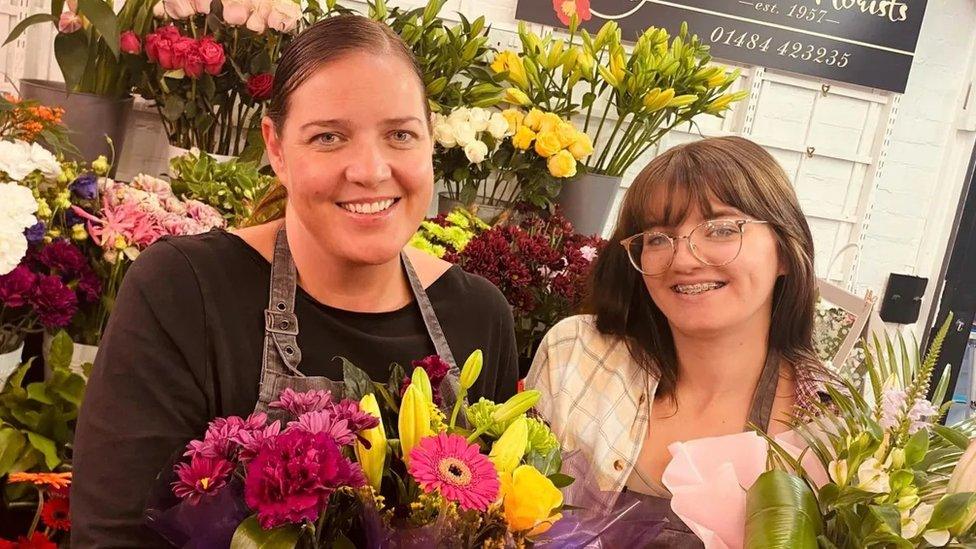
(598, 401)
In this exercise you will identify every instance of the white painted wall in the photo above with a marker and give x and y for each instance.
(879, 174)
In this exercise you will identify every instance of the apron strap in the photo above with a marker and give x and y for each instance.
(762, 401)
(450, 388)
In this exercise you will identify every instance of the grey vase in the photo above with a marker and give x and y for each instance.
(89, 117)
(587, 201)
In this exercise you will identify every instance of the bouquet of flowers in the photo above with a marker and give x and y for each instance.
(539, 264)
(208, 66)
(503, 158)
(385, 466)
(858, 472)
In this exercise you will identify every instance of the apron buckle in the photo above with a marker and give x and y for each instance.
(280, 323)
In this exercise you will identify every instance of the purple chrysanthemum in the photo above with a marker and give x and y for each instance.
(299, 403)
(16, 286)
(54, 302)
(200, 477)
(63, 259)
(293, 475)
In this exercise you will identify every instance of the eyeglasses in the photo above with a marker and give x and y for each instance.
(715, 243)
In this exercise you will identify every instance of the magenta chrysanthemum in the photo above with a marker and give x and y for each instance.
(293, 475)
(325, 421)
(357, 418)
(200, 477)
(299, 403)
(220, 440)
(456, 469)
(251, 440)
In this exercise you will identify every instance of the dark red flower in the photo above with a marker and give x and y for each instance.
(436, 370)
(129, 43)
(16, 286)
(55, 514)
(63, 259)
(182, 49)
(54, 302)
(259, 86)
(36, 541)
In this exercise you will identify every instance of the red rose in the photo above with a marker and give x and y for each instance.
(259, 86)
(212, 54)
(164, 54)
(152, 50)
(193, 64)
(182, 49)
(129, 43)
(170, 32)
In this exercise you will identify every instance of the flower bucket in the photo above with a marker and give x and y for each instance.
(587, 201)
(487, 213)
(89, 117)
(9, 362)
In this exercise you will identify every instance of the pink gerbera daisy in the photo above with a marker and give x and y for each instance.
(456, 469)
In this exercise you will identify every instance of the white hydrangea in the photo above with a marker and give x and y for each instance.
(17, 207)
(18, 159)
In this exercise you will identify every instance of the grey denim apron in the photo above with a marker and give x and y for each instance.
(676, 534)
(279, 369)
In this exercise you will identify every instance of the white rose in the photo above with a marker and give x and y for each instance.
(463, 133)
(460, 114)
(498, 126)
(284, 16)
(236, 12)
(476, 151)
(258, 21)
(13, 246)
(479, 119)
(444, 135)
(45, 161)
(159, 10)
(202, 6)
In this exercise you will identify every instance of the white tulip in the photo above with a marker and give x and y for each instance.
(476, 151)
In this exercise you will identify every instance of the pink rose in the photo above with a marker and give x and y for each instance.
(129, 43)
(181, 50)
(212, 54)
(258, 21)
(202, 6)
(163, 48)
(170, 32)
(236, 12)
(284, 15)
(179, 9)
(69, 23)
(193, 63)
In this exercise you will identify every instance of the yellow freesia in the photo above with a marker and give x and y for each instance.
(515, 118)
(509, 61)
(523, 138)
(530, 500)
(534, 119)
(547, 143)
(582, 146)
(561, 164)
(372, 459)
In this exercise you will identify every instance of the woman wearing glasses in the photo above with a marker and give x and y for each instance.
(701, 314)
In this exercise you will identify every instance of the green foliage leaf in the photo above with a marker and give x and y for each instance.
(952, 436)
(38, 392)
(104, 20)
(173, 107)
(358, 384)
(12, 444)
(250, 535)
(781, 512)
(916, 447)
(27, 22)
(61, 350)
(46, 447)
(71, 51)
(560, 480)
(548, 464)
(950, 510)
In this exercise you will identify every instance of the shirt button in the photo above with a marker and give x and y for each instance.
(618, 465)
(641, 399)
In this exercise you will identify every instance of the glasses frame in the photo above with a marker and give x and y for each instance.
(740, 224)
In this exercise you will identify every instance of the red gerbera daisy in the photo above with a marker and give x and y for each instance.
(55, 514)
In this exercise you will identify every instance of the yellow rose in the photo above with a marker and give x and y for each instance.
(582, 146)
(515, 118)
(561, 164)
(534, 119)
(516, 96)
(567, 134)
(523, 138)
(550, 122)
(530, 500)
(547, 144)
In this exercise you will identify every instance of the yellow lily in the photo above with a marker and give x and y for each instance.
(372, 459)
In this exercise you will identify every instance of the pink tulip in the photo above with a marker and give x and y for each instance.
(69, 23)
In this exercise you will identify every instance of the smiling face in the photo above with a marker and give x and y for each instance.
(704, 300)
(354, 154)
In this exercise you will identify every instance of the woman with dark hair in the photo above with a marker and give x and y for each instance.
(219, 324)
(701, 318)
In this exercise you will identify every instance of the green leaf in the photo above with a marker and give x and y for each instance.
(250, 535)
(61, 350)
(27, 22)
(173, 107)
(47, 447)
(71, 51)
(548, 464)
(342, 542)
(950, 510)
(358, 384)
(38, 392)
(560, 480)
(781, 512)
(952, 436)
(71, 389)
(104, 20)
(916, 448)
(12, 444)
